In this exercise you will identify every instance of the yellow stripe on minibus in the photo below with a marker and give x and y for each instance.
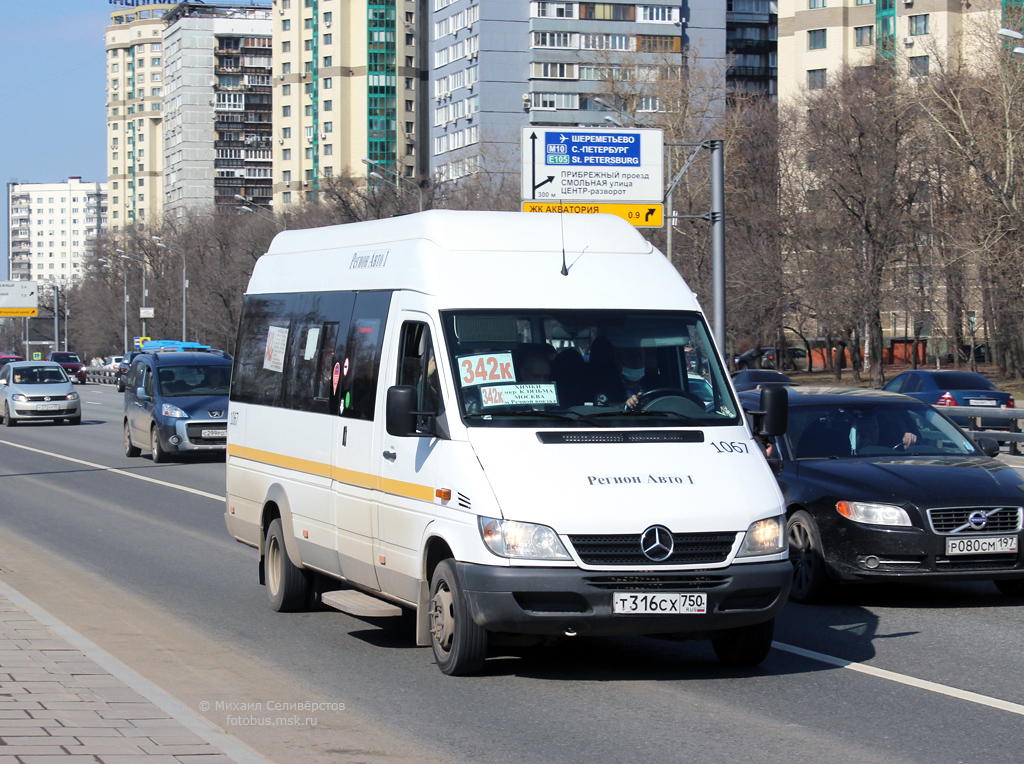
(349, 477)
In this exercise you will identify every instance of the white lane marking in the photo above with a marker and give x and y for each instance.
(94, 403)
(892, 676)
(116, 471)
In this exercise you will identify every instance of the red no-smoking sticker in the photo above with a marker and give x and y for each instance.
(336, 376)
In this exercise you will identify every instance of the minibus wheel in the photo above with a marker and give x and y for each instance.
(287, 586)
(459, 644)
(746, 645)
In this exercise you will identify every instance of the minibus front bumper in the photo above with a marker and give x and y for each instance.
(557, 601)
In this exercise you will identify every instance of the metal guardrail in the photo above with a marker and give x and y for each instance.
(100, 375)
(1014, 436)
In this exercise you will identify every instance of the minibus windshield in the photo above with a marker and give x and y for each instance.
(573, 368)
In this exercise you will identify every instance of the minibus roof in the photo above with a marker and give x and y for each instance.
(470, 259)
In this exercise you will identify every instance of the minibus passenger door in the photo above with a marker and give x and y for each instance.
(408, 464)
(355, 490)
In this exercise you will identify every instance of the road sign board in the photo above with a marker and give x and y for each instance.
(640, 215)
(145, 313)
(592, 165)
(19, 298)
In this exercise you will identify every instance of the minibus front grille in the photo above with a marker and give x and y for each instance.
(621, 436)
(671, 582)
(625, 549)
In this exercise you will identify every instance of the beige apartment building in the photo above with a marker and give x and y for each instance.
(345, 88)
(135, 142)
(818, 37)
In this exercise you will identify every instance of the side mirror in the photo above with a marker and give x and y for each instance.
(775, 405)
(140, 393)
(988, 446)
(399, 416)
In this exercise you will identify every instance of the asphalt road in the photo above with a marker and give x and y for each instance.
(136, 557)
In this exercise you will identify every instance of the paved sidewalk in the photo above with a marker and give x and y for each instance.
(63, 699)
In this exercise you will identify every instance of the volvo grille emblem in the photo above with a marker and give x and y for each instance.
(216, 414)
(978, 520)
(657, 543)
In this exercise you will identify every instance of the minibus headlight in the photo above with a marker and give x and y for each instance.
(766, 536)
(507, 538)
(172, 412)
(873, 514)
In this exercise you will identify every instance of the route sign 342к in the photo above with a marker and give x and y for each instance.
(592, 165)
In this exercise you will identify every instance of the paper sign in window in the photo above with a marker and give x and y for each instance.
(277, 341)
(518, 395)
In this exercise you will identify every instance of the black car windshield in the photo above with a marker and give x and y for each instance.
(859, 429)
(177, 381)
(573, 368)
(38, 375)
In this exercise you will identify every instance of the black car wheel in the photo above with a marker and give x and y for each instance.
(811, 581)
(120, 385)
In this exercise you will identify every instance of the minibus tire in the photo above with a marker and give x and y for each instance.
(130, 450)
(459, 644)
(287, 585)
(745, 646)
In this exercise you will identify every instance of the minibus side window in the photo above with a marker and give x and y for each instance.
(418, 368)
(361, 364)
(325, 365)
(254, 379)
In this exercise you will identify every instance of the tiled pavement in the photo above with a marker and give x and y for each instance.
(58, 704)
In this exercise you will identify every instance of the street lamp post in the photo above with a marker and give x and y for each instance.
(379, 168)
(184, 284)
(124, 275)
(251, 207)
(125, 256)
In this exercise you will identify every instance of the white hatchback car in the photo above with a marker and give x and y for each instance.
(38, 390)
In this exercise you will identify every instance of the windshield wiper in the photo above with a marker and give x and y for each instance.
(661, 414)
(567, 417)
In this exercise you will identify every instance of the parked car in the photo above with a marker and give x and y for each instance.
(71, 363)
(755, 379)
(882, 486)
(769, 358)
(35, 390)
(980, 354)
(122, 369)
(953, 388)
(176, 401)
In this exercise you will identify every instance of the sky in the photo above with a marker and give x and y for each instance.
(52, 94)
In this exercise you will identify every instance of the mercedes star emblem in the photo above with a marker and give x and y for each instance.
(657, 543)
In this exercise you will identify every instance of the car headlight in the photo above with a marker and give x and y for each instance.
(172, 412)
(19, 398)
(766, 536)
(71, 396)
(507, 538)
(873, 514)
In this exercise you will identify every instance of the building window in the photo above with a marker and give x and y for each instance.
(556, 10)
(919, 66)
(815, 79)
(919, 24)
(865, 2)
(328, 105)
(328, 61)
(607, 12)
(286, 46)
(286, 111)
(328, 17)
(815, 3)
(286, 90)
(816, 39)
(286, 68)
(658, 43)
(286, 154)
(286, 132)
(286, 25)
(865, 36)
(286, 176)
(328, 83)
(328, 150)
(328, 39)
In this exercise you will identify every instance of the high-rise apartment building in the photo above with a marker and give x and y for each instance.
(53, 228)
(217, 106)
(496, 67)
(188, 107)
(346, 84)
(751, 41)
(818, 37)
(134, 44)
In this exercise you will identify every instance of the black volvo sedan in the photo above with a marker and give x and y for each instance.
(880, 485)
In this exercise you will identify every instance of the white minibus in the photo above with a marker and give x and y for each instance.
(516, 425)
